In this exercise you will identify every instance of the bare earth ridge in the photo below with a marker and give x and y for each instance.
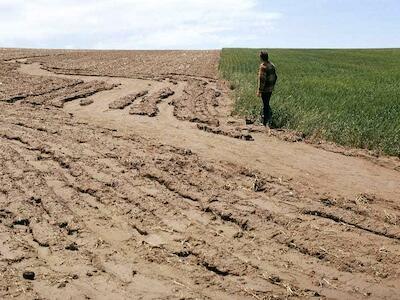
(109, 190)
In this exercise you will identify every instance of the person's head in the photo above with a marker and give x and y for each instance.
(264, 56)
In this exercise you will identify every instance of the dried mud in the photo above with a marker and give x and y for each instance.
(97, 203)
(148, 106)
(126, 100)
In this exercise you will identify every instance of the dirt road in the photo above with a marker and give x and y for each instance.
(109, 190)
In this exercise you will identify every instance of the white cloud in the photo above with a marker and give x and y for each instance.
(133, 24)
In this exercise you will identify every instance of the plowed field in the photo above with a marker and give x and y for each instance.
(125, 176)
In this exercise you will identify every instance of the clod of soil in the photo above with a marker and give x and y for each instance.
(22, 222)
(86, 101)
(63, 284)
(28, 275)
(63, 224)
(127, 100)
(274, 279)
(230, 132)
(72, 247)
(148, 105)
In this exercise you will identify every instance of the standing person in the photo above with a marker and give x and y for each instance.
(266, 83)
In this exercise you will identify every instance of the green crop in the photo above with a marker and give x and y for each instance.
(351, 97)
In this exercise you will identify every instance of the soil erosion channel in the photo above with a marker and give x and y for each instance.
(325, 171)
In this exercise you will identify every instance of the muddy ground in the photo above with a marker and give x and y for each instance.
(124, 176)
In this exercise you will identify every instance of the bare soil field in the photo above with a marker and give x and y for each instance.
(125, 176)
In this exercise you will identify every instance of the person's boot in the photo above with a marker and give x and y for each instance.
(265, 122)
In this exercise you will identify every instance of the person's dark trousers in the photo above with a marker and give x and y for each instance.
(267, 111)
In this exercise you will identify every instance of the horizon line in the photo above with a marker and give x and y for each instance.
(205, 49)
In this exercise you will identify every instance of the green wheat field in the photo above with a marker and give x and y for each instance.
(351, 97)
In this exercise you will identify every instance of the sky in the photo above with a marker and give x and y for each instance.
(199, 24)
